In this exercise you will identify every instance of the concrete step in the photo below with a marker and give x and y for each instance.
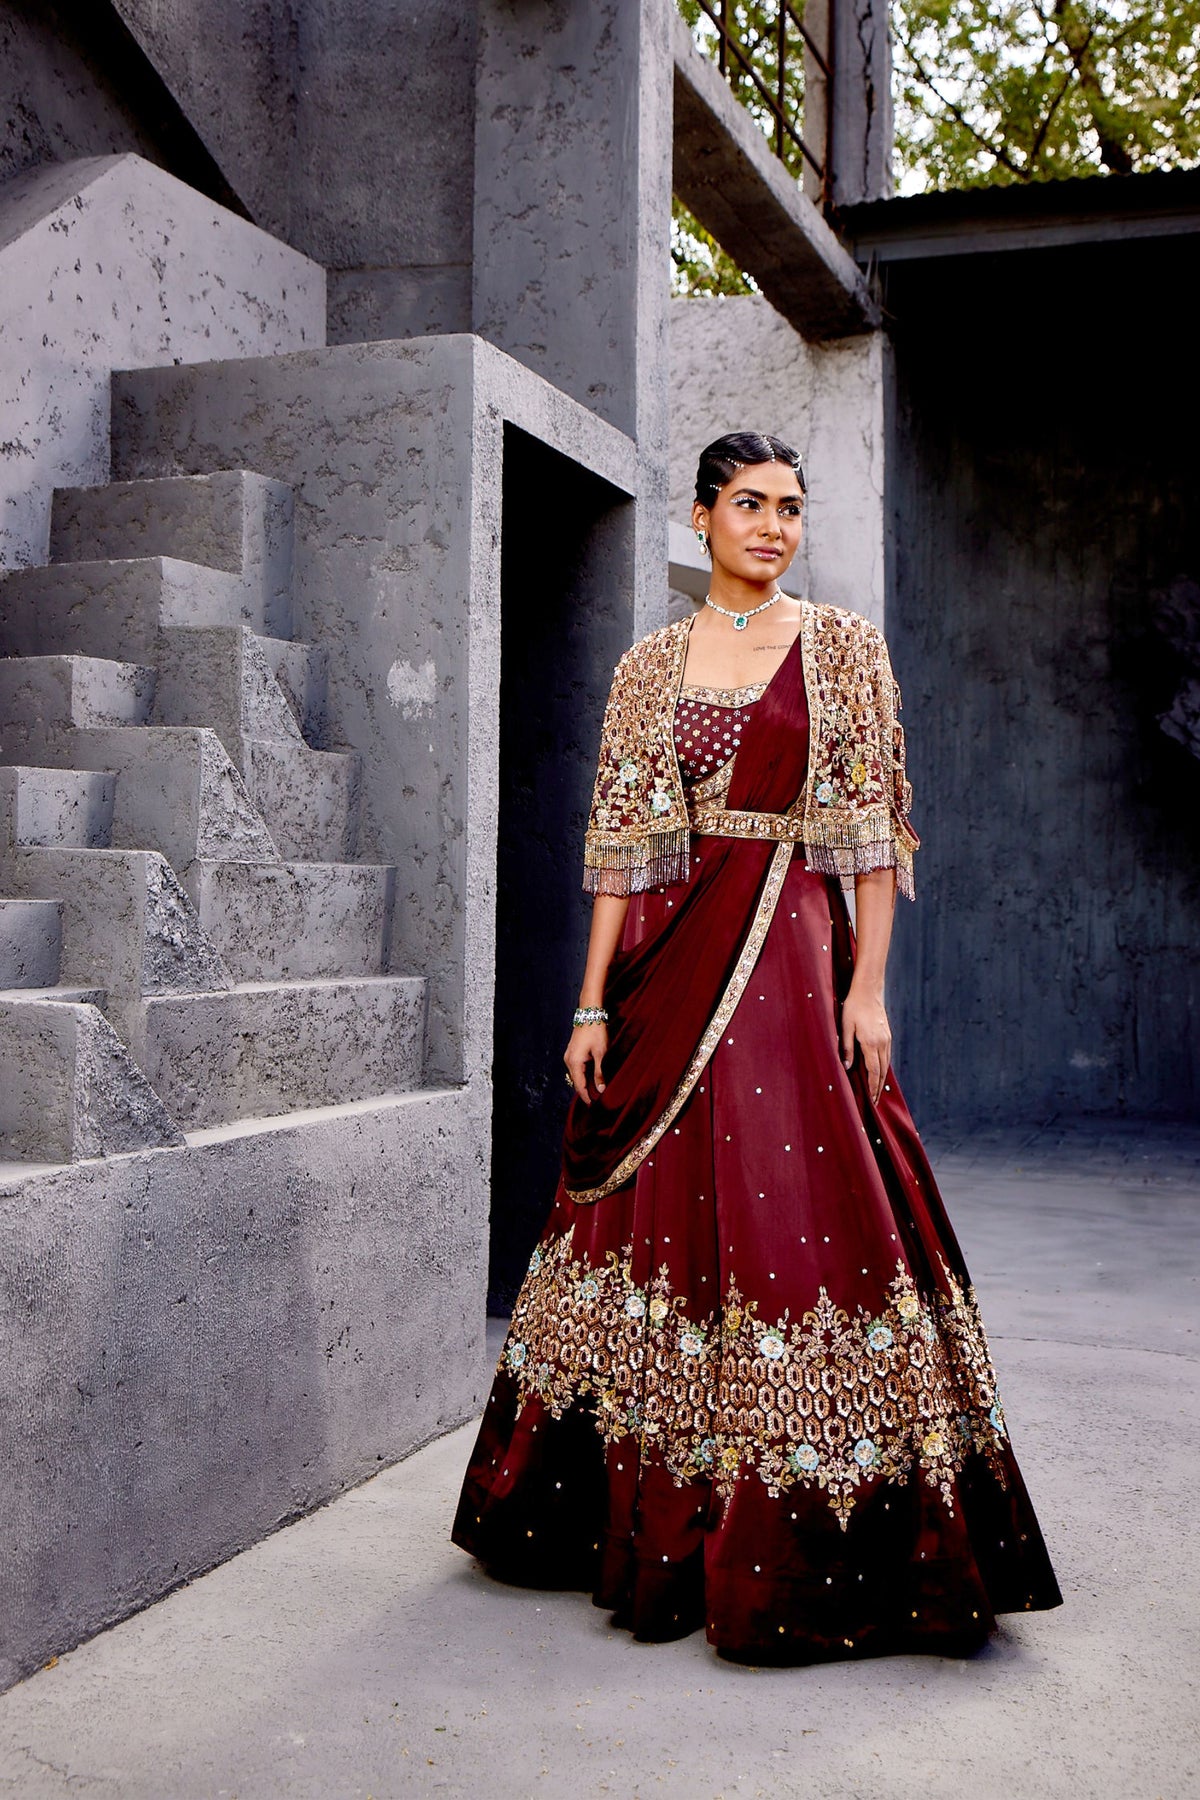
(302, 671)
(269, 1048)
(295, 921)
(69, 1087)
(114, 608)
(60, 992)
(232, 519)
(178, 793)
(45, 700)
(309, 799)
(221, 678)
(30, 943)
(128, 927)
(55, 806)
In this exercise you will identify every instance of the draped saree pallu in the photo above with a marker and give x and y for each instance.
(746, 1386)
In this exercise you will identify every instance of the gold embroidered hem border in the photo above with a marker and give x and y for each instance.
(832, 1400)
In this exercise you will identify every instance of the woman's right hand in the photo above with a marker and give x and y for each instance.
(587, 1049)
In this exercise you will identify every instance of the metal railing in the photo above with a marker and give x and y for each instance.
(777, 57)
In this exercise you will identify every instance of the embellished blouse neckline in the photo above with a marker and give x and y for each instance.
(716, 696)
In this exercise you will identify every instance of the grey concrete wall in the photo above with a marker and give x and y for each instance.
(559, 136)
(112, 262)
(395, 454)
(736, 365)
(1040, 492)
(53, 105)
(572, 221)
(347, 129)
(198, 1345)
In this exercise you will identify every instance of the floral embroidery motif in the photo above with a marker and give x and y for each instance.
(830, 1400)
(637, 835)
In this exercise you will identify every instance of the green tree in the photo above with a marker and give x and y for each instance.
(1001, 91)
(992, 91)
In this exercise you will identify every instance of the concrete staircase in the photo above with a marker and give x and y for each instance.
(186, 938)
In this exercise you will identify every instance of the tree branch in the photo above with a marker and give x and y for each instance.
(998, 151)
(1113, 153)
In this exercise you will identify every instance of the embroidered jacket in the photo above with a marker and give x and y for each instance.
(853, 814)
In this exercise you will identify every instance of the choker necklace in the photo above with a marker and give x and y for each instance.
(740, 618)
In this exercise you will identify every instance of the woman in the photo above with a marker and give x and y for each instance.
(746, 1385)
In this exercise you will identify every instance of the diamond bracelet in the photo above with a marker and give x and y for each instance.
(590, 1015)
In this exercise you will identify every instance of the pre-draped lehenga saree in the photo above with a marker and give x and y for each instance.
(746, 1386)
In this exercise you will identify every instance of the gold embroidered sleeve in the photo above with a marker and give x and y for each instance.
(858, 817)
(899, 788)
(637, 835)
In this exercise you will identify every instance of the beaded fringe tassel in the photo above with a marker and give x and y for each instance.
(658, 861)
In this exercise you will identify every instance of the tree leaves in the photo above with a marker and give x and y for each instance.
(1003, 91)
(992, 92)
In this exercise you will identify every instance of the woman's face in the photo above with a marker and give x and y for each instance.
(755, 522)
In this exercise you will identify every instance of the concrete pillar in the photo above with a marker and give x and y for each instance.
(860, 151)
(572, 220)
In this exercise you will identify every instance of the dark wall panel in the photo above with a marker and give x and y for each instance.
(1044, 469)
(566, 616)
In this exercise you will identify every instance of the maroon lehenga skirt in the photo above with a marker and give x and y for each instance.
(750, 1390)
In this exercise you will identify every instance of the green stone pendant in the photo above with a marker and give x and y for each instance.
(739, 624)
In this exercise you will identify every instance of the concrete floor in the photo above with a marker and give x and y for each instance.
(358, 1653)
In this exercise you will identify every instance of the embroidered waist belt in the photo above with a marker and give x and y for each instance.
(720, 821)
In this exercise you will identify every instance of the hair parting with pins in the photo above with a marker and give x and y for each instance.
(738, 450)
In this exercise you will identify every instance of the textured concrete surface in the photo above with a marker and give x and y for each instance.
(861, 164)
(264, 1047)
(112, 263)
(232, 519)
(128, 926)
(299, 108)
(30, 942)
(737, 365)
(201, 1344)
(1050, 963)
(128, 1287)
(56, 104)
(297, 920)
(55, 806)
(116, 607)
(69, 1087)
(359, 1653)
(46, 700)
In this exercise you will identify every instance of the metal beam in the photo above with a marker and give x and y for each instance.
(725, 173)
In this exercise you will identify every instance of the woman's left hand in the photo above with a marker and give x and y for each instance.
(865, 1021)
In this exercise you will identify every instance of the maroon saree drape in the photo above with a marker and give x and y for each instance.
(662, 993)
